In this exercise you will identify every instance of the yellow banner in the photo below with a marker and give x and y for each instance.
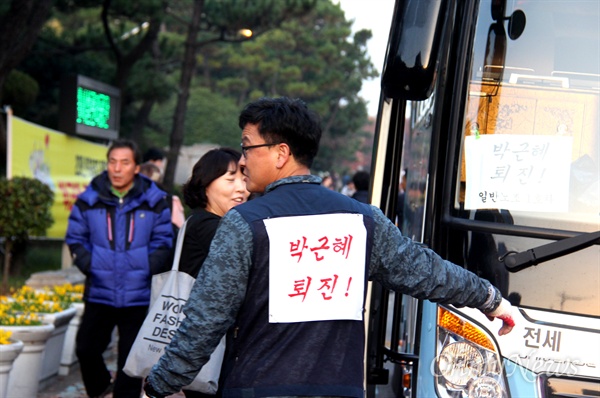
(65, 163)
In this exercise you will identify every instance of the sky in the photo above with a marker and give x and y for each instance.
(375, 15)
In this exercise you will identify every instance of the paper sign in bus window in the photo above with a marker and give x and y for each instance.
(518, 172)
(317, 267)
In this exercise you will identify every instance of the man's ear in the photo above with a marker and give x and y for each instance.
(283, 155)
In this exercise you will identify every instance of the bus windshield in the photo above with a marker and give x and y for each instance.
(530, 149)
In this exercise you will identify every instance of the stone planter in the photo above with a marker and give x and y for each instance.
(68, 356)
(8, 355)
(23, 380)
(54, 347)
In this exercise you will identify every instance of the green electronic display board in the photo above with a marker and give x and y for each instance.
(89, 108)
(93, 108)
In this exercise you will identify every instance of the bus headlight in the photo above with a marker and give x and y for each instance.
(460, 363)
(485, 387)
(468, 363)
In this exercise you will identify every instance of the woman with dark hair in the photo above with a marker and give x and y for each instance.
(216, 185)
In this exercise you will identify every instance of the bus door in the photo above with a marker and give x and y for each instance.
(501, 155)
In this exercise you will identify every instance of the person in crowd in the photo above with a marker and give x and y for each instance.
(348, 187)
(400, 200)
(216, 185)
(119, 234)
(328, 182)
(361, 181)
(265, 277)
(156, 157)
(152, 171)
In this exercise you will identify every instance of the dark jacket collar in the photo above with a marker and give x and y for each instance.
(310, 179)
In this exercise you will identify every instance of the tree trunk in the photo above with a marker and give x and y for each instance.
(15, 43)
(187, 72)
(19, 29)
(3, 143)
(7, 258)
(141, 120)
(126, 62)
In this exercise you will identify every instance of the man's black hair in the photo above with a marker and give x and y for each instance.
(153, 154)
(137, 155)
(286, 120)
(361, 180)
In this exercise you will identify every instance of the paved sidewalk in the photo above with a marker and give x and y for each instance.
(71, 386)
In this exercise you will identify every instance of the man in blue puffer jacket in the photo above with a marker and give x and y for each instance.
(119, 235)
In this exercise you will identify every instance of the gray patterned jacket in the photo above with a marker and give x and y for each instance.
(397, 263)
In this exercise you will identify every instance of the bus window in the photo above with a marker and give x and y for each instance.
(531, 150)
(416, 163)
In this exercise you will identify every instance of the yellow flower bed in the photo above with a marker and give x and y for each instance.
(27, 299)
(67, 292)
(54, 299)
(23, 306)
(10, 317)
(5, 337)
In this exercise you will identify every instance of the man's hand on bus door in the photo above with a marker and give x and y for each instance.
(504, 312)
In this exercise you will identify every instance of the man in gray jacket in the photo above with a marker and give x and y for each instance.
(287, 273)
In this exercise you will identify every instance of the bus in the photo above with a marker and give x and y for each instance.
(490, 112)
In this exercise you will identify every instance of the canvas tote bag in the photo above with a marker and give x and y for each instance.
(170, 291)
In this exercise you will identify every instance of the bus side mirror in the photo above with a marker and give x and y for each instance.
(516, 24)
(495, 49)
(415, 40)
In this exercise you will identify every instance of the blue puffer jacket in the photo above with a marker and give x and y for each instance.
(120, 243)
